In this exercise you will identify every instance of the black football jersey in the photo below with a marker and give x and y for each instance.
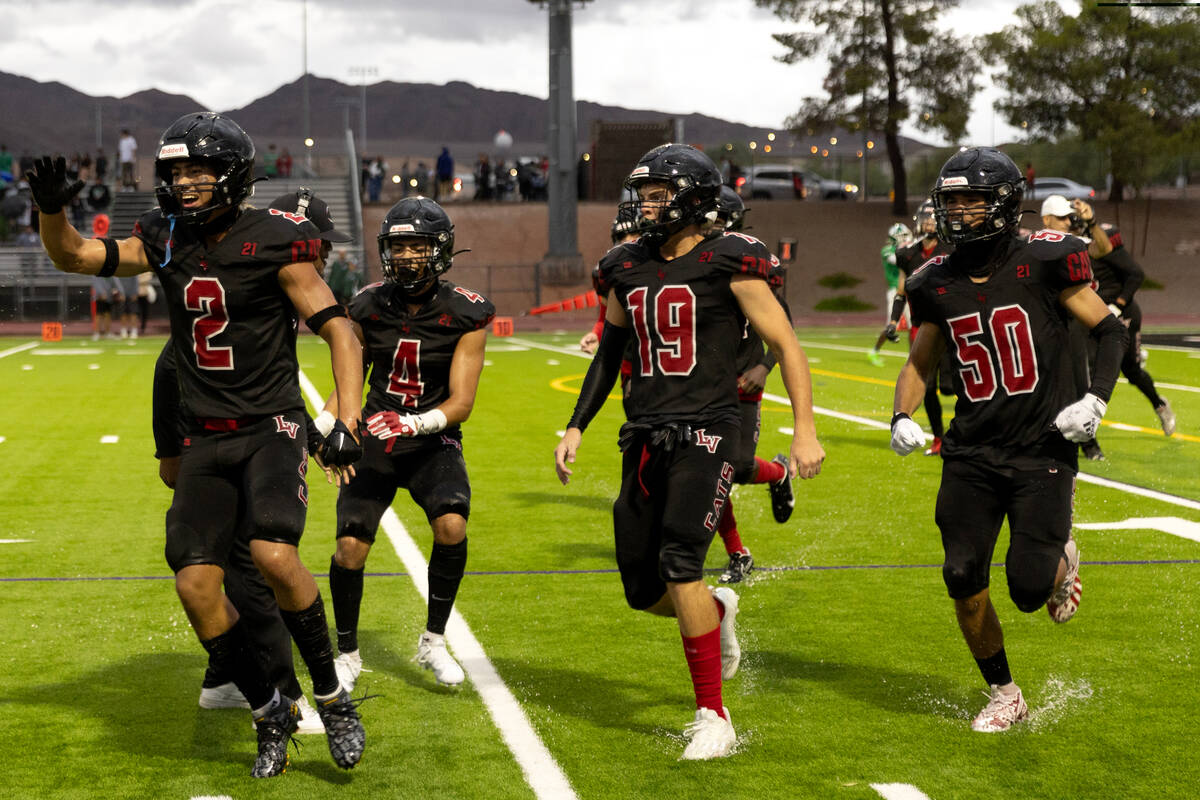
(1117, 274)
(409, 354)
(751, 350)
(1007, 338)
(910, 257)
(232, 323)
(686, 326)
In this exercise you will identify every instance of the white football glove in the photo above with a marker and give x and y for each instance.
(1078, 422)
(387, 424)
(906, 436)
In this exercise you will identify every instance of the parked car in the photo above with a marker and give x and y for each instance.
(1044, 187)
(827, 189)
(771, 182)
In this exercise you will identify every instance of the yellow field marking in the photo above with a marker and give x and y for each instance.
(560, 385)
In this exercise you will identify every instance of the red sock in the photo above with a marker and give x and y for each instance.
(767, 471)
(727, 528)
(704, 661)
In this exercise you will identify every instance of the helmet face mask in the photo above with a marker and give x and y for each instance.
(977, 172)
(899, 234)
(201, 145)
(416, 245)
(676, 185)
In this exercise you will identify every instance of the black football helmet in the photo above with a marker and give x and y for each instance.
(694, 179)
(924, 214)
(731, 211)
(421, 218)
(986, 171)
(213, 139)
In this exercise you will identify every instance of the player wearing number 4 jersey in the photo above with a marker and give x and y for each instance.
(685, 296)
(1000, 304)
(235, 278)
(424, 340)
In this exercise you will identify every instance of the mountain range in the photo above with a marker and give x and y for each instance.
(402, 118)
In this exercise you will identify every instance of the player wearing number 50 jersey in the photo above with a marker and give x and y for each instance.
(1000, 304)
(235, 278)
(683, 297)
(423, 338)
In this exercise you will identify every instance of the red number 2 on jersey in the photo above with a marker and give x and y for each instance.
(207, 296)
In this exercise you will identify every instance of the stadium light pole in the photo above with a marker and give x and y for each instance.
(364, 73)
(304, 89)
(563, 259)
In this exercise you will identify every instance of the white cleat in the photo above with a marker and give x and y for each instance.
(433, 655)
(731, 651)
(348, 667)
(1001, 713)
(227, 695)
(709, 736)
(310, 720)
(1167, 417)
(1063, 604)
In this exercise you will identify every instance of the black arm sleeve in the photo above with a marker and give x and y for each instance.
(897, 308)
(768, 359)
(1112, 338)
(167, 406)
(601, 375)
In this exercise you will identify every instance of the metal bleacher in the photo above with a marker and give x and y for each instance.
(32, 289)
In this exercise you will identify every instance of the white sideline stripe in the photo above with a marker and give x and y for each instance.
(899, 791)
(846, 348)
(18, 349)
(14, 541)
(541, 771)
(1177, 387)
(1176, 526)
(75, 351)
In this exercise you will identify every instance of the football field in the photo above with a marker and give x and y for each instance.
(855, 682)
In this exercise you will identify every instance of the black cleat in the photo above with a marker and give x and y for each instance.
(343, 729)
(275, 729)
(782, 498)
(739, 567)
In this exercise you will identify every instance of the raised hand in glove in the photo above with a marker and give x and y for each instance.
(906, 435)
(1078, 422)
(49, 185)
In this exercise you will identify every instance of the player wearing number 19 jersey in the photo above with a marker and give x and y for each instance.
(235, 278)
(1000, 304)
(684, 296)
(424, 340)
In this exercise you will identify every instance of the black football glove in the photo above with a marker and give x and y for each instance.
(49, 185)
(316, 442)
(340, 448)
(890, 332)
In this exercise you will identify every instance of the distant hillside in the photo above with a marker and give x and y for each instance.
(401, 117)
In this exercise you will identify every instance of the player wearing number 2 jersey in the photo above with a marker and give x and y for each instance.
(235, 278)
(683, 299)
(424, 340)
(1000, 304)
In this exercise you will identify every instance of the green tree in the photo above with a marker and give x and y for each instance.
(887, 65)
(1127, 80)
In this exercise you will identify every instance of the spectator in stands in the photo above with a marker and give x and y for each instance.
(127, 155)
(146, 295)
(422, 176)
(28, 237)
(445, 175)
(129, 310)
(25, 164)
(270, 161)
(344, 277)
(101, 165)
(484, 179)
(284, 165)
(85, 166)
(98, 196)
(375, 178)
(6, 165)
(106, 294)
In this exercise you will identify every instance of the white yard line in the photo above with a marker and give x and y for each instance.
(21, 348)
(541, 771)
(899, 791)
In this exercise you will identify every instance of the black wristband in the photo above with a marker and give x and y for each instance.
(899, 415)
(112, 257)
(317, 320)
(897, 308)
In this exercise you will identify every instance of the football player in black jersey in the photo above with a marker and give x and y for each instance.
(909, 259)
(686, 296)
(1059, 214)
(1119, 278)
(999, 303)
(234, 278)
(424, 339)
(753, 365)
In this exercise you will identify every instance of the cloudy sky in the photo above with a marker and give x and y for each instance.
(633, 53)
